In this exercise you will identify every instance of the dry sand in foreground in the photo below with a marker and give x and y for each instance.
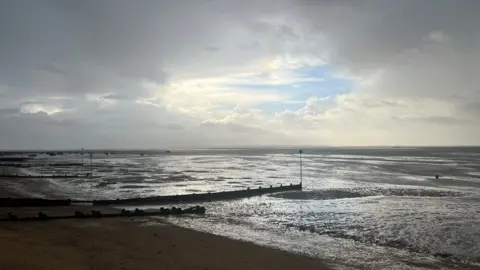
(124, 244)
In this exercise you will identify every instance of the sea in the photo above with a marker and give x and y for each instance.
(360, 208)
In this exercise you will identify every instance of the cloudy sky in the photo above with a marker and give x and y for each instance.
(200, 73)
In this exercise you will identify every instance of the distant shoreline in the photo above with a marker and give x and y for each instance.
(289, 147)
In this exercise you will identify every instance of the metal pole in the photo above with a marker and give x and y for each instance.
(91, 165)
(91, 174)
(301, 171)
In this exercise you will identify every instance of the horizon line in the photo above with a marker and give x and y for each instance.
(245, 147)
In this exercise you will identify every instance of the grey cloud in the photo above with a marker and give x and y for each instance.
(96, 46)
(31, 102)
(9, 111)
(369, 33)
(114, 97)
(230, 134)
(438, 120)
(55, 53)
(212, 48)
(41, 131)
(234, 127)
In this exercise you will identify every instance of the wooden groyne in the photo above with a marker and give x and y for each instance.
(211, 196)
(32, 202)
(199, 210)
(46, 176)
(36, 165)
(13, 159)
(155, 200)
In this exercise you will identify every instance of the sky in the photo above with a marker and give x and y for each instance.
(225, 73)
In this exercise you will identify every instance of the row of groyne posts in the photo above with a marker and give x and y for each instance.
(22, 162)
(174, 211)
(155, 200)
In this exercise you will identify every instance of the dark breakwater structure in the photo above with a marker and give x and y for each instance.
(29, 165)
(155, 200)
(199, 210)
(30, 161)
(85, 175)
(211, 196)
(14, 159)
(32, 202)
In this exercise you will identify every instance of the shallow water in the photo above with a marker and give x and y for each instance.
(373, 208)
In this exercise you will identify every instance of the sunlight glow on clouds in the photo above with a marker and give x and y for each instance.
(223, 73)
(36, 108)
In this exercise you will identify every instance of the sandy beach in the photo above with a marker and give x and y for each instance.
(124, 243)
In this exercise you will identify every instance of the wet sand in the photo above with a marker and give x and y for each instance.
(124, 243)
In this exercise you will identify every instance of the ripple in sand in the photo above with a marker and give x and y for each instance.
(380, 241)
(132, 186)
(104, 184)
(192, 190)
(196, 171)
(233, 168)
(180, 185)
(181, 177)
(215, 180)
(329, 194)
(234, 182)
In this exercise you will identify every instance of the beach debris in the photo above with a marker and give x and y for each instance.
(95, 213)
(125, 213)
(42, 216)
(138, 212)
(437, 176)
(80, 214)
(12, 216)
(195, 210)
